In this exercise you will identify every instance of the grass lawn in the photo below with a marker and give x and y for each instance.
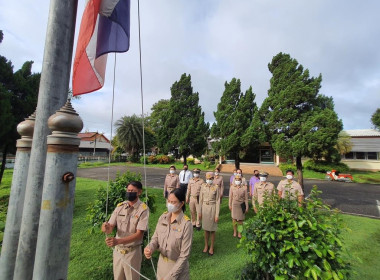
(90, 258)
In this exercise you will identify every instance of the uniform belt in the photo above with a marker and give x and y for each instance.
(209, 203)
(195, 196)
(126, 250)
(166, 259)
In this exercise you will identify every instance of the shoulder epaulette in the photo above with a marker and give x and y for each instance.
(165, 212)
(186, 217)
(144, 206)
(119, 204)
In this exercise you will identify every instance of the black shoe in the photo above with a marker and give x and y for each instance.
(198, 228)
(194, 226)
(210, 254)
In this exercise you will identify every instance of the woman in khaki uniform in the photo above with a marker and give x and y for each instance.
(209, 203)
(192, 197)
(171, 181)
(238, 198)
(172, 238)
(218, 180)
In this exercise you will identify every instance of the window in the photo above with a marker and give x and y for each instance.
(360, 155)
(372, 155)
(349, 155)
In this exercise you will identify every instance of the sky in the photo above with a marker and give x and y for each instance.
(215, 41)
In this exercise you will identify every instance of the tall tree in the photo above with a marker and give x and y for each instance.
(18, 100)
(183, 126)
(234, 117)
(343, 144)
(375, 119)
(158, 109)
(301, 122)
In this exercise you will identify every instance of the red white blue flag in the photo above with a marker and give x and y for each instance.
(105, 28)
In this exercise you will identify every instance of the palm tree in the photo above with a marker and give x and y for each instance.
(130, 133)
(344, 144)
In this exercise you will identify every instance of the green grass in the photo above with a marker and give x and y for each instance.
(366, 176)
(90, 258)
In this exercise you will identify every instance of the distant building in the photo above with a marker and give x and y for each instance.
(94, 144)
(365, 153)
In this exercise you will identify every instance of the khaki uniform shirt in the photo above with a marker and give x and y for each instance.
(129, 219)
(209, 195)
(218, 180)
(173, 240)
(261, 190)
(291, 189)
(171, 182)
(194, 187)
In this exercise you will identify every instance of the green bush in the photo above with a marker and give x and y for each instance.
(142, 160)
(286, 241)
(287, 166)
(152, 159)
(190, 161)
(116, 194)
(323, 166)
(164, 159)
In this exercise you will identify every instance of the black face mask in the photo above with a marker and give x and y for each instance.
(185, 169)
(131, 196)
(257, 175)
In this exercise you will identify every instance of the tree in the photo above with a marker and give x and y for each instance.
(183, 126)
(343, 144)
(235, 126)
(301, 122)
(375, 119)
(155, 119)
(18, 100)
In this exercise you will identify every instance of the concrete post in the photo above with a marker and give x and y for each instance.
(54, 232)
(16, 199)
(55, 76)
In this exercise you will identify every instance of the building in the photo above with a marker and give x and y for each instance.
(94, 144)
(365, 153)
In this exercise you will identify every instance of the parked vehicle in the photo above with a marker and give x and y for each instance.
(334, 175)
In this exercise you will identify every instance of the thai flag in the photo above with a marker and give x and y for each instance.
(105, 28)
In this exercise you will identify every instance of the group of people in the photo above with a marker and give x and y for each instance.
(174, 230)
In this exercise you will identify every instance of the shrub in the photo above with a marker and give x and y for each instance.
(142, 160)
(287, 166)
(152, 159)
(206, 164)
(163, 159)
(190, 161)
(323, 166)
(286, 241)
(116, 194)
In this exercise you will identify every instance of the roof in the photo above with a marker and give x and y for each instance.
(363, 133)
(90, 136)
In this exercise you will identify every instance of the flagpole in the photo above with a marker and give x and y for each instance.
(55, 76)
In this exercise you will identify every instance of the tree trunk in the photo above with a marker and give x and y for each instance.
(299, 171)
(184, 158)
(4, 160)
(237, 161)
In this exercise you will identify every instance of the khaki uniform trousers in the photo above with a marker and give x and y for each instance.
(121, 269)
(194, 211)
(165, 265)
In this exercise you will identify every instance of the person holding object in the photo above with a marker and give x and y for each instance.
(184, 177)
(262, 190)
(192, 197)
(171, 181)
(218, 180)
(290, 188)
(238, 203)
(172, 238)
(209, 203)
(131, 221)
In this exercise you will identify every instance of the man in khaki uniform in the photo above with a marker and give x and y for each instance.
(218, 180)
(290, 188)
(171, 181)
(192, 197)
(131, 220)
(261, 190)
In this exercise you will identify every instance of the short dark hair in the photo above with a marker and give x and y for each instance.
(289, 170)
(255, 170)
(136, 184)
(181, 196)
(172, 166)
(217, 168)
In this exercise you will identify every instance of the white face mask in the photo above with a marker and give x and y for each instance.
(209, 182)
(289, 177)
(237, 183)
(172, 208)
(216, 173)
(172, 171)
(196, 175)
(235, 173)
(263, 179)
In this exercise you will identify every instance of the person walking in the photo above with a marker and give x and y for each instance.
(209, 203)
(262, 190)
(192, 197)
(172, 238)
(184, 177)
(288, 188)
(238, 203)
(171, 181)
(131, 221)
(218, 180)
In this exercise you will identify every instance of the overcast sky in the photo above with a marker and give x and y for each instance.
(215, 41)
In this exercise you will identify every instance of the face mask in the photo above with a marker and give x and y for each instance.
(289, 177)
(131, 196)
(256, 175)
(185, 169)
(237, 183)
(172, 171)
(263, 179)
(239, 174)
(196, 175)
(209, 182)
(216, 173)
(172, 208)
(235, 173)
